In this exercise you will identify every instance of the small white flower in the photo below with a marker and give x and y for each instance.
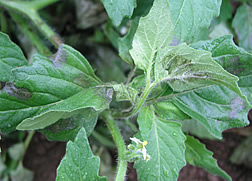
(137, 141)
(140, 148)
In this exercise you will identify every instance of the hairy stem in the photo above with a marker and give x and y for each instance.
(103, 140)
(117, 137)
(32, 36)
(30, 10)
(149, 86)
(131, 75)
(46, 30)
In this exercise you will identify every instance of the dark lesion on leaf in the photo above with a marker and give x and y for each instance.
(20, 93)
(59, 57)
(172, 62)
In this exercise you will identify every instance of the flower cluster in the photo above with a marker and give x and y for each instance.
(138, 150)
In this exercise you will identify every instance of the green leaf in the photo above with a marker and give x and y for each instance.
(21, 173)
(11, 57)
(119, 9)
(245, 84)
(143, 7)
(67, 129)
(224, 51)
(153, 33)
(219, 30)
(182, 67)
(79, 163)
(191, 18)
(242, 23)
(197, 129)
(186, 68)
(124, 93)
(50, 89)
(168, 110)
(242, 154)
(47, 115)
(226, 10)
(197, 155)
(165, 146)
(125, 43)
(216, 107)
(16, 151)
(108, 64)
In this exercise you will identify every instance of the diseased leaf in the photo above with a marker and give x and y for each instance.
(119, 9)
(47, 115)
(242, 23)
(224, 51)
(154, 32)
(67, 129)
(192, 18)
(245, 84)
(197, 155)
(61, 89)
(216, 107)
(124, 93)
(79, 163)
(11, 57)
(165, 146)
(182, 67)
(186, 68)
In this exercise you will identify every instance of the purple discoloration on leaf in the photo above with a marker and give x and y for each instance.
(237, 104)
(59, 57)
(20, 93)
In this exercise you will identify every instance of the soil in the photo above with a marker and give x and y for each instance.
(43, 158)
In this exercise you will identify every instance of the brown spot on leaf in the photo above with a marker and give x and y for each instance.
(20, 93)
(59, 57)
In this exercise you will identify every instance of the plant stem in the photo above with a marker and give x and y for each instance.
(27, 143)
(103, 140)
(139, 104)
(30, 10)
(131, 75)
(34, 39)
(117, 137)
(46, 30)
